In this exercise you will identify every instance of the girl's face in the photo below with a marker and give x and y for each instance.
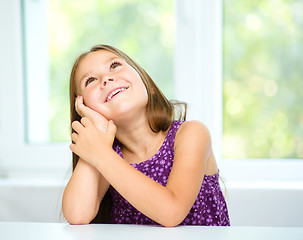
(110, 86)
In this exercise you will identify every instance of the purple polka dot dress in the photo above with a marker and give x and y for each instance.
(209, 209)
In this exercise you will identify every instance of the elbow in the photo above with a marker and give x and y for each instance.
(78, 222)
(172, 218)
(169, 223)
(76, 214)
(76, 219)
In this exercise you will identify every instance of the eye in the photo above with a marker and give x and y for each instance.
(89, 80)
(115, 65)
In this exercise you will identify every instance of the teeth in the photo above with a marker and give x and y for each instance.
(114, 93)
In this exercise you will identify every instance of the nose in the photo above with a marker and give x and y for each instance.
(105, 81)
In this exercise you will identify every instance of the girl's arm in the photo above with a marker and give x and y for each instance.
(86, 187)
(166, 205)
(83, 194)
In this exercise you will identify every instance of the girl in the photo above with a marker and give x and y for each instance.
(133, 162)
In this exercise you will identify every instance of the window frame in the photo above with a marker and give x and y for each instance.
(18, 158)
(198, 81)
(203, 91)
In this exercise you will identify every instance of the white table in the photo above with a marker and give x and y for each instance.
(63, 231)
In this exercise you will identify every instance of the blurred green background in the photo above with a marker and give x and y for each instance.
(263, 79)
(262, 64)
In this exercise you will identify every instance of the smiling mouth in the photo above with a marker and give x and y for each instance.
(115, 92)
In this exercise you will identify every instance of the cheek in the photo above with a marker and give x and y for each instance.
(93, 102)
(90, 100)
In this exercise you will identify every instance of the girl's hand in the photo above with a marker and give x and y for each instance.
(89, 143)
(100, 122)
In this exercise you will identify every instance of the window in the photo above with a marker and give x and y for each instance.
(49, 34)
(262, 79)
(34, 125)
(204, 29)
(74, 27)
(262, 90)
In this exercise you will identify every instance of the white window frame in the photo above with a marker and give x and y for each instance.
(199, 42)
(18, 159)
(198, 81)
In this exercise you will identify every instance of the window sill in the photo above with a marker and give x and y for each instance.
(262, 170)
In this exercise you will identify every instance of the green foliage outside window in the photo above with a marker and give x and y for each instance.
(263, 79)
(262, 64)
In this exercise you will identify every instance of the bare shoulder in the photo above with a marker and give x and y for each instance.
(193, 147)
(193, 129)
(193, 136)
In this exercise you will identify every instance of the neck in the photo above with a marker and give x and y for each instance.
(139, 142)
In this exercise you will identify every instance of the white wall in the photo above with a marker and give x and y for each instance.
(264, 204)
(27, 201)
(249, 204)
(30, 200)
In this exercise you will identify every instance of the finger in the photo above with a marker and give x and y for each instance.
(111, 129)
(77, 126)
(85, 111)
(86, 122)
(74, 137)
(72, 147)
(79, 105)
(81, 109)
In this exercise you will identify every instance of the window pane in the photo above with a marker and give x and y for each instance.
(263, 85)
(145, 30)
